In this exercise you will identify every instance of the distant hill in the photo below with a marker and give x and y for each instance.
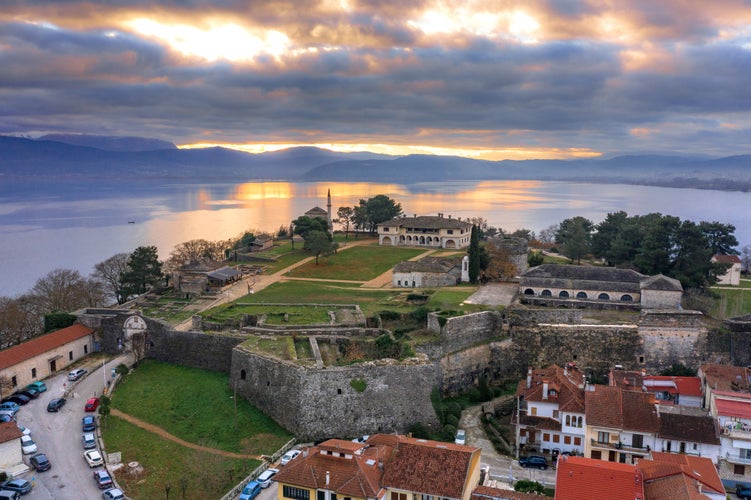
(133, 158)
(110, 143)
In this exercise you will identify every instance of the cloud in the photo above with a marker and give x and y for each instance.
(487, 75)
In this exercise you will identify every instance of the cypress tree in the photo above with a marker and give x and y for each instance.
(474, 256)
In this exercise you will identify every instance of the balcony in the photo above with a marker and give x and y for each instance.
(620, 446)
(735, 458)
(743, 433)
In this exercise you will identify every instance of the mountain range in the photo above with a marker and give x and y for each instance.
(105, 157)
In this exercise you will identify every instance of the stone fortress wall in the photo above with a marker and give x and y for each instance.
(321, 402)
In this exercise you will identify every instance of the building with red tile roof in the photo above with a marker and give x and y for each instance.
(550, 410)
(46, 354)
(11, 457)
(688, 430)
(386, 467)
(579, 478)
(732, 276)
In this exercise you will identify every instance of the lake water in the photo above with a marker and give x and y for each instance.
(74, 225)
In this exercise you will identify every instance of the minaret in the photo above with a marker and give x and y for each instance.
(328, 211)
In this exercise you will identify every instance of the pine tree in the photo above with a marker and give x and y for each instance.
(474, 256)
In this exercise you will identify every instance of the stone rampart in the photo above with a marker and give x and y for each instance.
(738, 339)
(461, 332)
(661, 347)
(528, 317)
(670, 318)
(318, 403)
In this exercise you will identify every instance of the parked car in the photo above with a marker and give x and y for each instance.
(113, 494)
(29, 393)
(88, 441)
(93, 458)
(38, 385)
(250, 491)
(18, 399)
(536, 461)
(88, 423)
(22, 486)
(461, 437)
(28, 446)
(76, 374)
(290, 455)
(103, 479)
(265, 478)
(91, 405)
(9, 495)
(7, 415)
(56, 404)
(10, 406)
(743, 491)
(26, 431)
(40, 462)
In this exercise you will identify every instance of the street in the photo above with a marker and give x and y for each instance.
(58, 435)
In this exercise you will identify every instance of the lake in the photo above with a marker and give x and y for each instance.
(76, 224)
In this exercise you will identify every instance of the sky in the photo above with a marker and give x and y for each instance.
(490, 79)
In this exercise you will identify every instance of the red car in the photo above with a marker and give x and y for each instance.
(91, 405)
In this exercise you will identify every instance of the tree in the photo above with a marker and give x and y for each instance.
(108, 273)
(317, 243)
(62, 290)
(144, 272)
(721, 237)
(746, 257)
(18, 320)
(606, 233)
(547, 235)
(304, 225)
(379, 208)
(523, 233)
(575, 237)
(344, 218)
(203, 250)
(655, 253)
(692, 258)
(473, 252)
(501, 263)
(535, 259)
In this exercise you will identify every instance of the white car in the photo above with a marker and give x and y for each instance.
(265, 478)
(88, 440)
(290, 455)
(76, 374)
(26, 431)
(461, 437)
(28, 445)
(93, 458)
(113, 494)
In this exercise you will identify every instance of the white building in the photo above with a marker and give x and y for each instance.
(425, 231)
(733, 275)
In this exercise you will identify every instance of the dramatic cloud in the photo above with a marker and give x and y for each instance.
(494, 79)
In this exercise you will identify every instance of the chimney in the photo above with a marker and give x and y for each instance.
(449, 216)
(544, 389)
(327, 478)
(529, 377)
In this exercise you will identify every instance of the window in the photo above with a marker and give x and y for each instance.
(33, 373)
(556, 413)
(568, 420)
(529, 291)
(563, 294)
(603, 437)
(603, 296)
(13, 381)
(641, 360)
(626, 298)
(577, 441)
(398, 496)
(522, 432)
(556, 438)
(243, 374)
(450, 231)
(596, 454)
(581, 295)
(385, 230)
(426, 497)
(546, 293)
(637, 441)
(70, 355)
(566, 439)
(546, 436)
(533, 411)
(739, 469)
(85, 349)
(296, 493)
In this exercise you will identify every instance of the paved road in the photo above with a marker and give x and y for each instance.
(58, 435)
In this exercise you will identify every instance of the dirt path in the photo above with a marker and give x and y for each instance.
(166, 435)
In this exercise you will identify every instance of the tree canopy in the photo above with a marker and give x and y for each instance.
(319, 243)
(304, 225)
(144, 272)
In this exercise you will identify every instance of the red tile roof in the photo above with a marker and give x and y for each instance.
(580, 478)
(429, 467)
(39, 345)
(565, 387)
(728, 408)
(725, 377)
(699, 469)
(686, 386)
(605, 408)
(726, 259)
(9, 431)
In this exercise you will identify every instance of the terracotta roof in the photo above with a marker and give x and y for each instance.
(686, 386)
(729, 408)
(726, 377)
(580, 478)
(9, 431)
(429, 467)
(564, 381)
(42, 344)
(427, 222)
(726, 259)
(675, 487)
(605, 407)
(699, 469)
(488, 493)
(626, 379)
(689, 428)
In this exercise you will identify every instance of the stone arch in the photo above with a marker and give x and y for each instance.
(401, 238)
(450, 244)
(529, 291)
(626, 298)
(563, 294)
(386, 240)
(546, 293)
(243, 374)
(422, 240)
(581, 295)
(603, 296)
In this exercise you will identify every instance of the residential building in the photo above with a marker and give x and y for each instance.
(42, 356)
(733, 274)
(11, 457)
(669, 476)
(385, 467)
(427, 272)
(621, 425)
(550, 410)
(689, 431)
(595, 286)
(425, 231)
(684, 391)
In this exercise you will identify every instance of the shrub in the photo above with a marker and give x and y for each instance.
(452, 420)
(474, 395)
(417, 297)
(420, 315)
(389, 315)
(358, 384)
(122, 369)
(419, 430)
(527, 486)
(449, 432)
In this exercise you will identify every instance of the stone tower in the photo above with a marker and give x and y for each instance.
(328, 212)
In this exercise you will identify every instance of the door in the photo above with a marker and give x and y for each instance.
(53, 366)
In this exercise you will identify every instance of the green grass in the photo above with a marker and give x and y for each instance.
(275, 314)
(451, 298)
(197, 406)
(732, 302)
(206, 475)
(361, 263)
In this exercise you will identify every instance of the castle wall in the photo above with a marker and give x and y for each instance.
(461, 332)
(739, 339)
(661, 299)
(314, 404)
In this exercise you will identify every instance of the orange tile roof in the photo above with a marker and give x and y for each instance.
(488, 493)
(699, 469)
(39, 345)
(429, 467)
(9, 431)
(580, 478)
(726, 259)
(565, 383)
(686, 386)
(605, 408)
(728, 408)
(726, 377)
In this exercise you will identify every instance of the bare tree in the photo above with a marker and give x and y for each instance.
(547, 235)
(196, 250)
(746, 258)
(18, 320)
(60, 290)
(500, 262)
(108, 273)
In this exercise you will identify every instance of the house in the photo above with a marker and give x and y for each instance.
(425, 231)
(550, 410)
(42, 356)
(596, 286)
(727, 392)
(621, 425)
(684, 391)
(261, 243)
(223, 276)
(664, 477)
(11, 457)
(385, 467)
(688, 431)
(427, 272)
(733, 274)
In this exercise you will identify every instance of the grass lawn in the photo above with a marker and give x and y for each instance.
(296, 315)
(361, 263)
(204, 475)
(732, 302)
(197, 406)
(451, 298)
